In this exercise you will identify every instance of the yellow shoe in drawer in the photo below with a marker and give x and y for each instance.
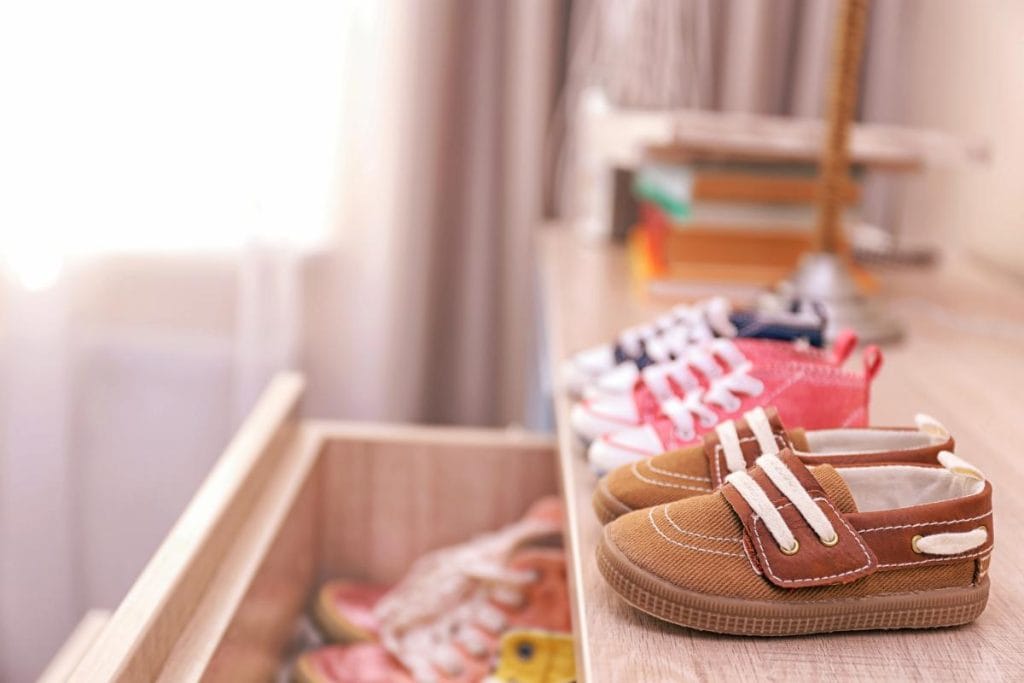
(530, 656)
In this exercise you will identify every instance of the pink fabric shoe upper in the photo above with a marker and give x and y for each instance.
(350, 606)
(809, 387)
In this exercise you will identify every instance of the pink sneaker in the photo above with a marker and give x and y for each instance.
(444, 620)
(344, 610)
(696, 370)
(809, 388)
(649, 388)
(604, 369)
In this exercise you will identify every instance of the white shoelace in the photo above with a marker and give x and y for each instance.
(703, 358)
(699, 406)
(448, 599)
(946, 543)
(790, 487)
(670, 334)
(729, 438)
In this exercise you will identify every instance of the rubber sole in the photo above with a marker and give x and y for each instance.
(607, 507)
(661, 599)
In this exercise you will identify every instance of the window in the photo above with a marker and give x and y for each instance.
(189, 125)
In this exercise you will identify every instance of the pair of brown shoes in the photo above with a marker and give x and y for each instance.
(767, 531)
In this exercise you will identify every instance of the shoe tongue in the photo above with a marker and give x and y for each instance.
(835, 488)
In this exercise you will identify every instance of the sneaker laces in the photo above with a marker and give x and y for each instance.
(703, 358)
(674, 331)
(791, 488)
(729, 438)
(699, 406)
(449, 597)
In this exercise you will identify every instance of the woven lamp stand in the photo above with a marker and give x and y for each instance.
(824, 275)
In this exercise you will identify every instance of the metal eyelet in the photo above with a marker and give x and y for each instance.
(792, 550)
(913, 544)
(830, 542)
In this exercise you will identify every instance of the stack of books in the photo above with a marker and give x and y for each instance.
(720, 219)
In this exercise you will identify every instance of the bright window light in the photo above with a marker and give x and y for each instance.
(187, 125)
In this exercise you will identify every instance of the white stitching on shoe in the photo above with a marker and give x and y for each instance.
(677, 475)
(834, 376)
(793, 379)
(650, 517)
(767, 562)
(723, 539)
(914, 526)
(932, 560)
(603, 486)
(647, 480)
(750, 560)
(982, 572)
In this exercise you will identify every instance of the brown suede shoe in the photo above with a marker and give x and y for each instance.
(782, 549)
(702, 468)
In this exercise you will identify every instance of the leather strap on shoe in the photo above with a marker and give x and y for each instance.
(750, 445)
(796, 533)
(906, 537)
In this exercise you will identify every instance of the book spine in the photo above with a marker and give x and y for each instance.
(734, 187)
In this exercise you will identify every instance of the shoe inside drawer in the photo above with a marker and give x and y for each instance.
(296, 503)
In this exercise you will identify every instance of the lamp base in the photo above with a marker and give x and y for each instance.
(825, 278)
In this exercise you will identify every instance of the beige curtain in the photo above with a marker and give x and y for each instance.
(760, 56)
(425, 313)
(124, 379)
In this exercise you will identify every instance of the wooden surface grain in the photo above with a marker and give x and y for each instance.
(247, 615)
(74, 648)
(222, 598)
(393, 493)
(961, 362)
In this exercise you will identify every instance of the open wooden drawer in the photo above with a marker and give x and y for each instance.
(292, 502)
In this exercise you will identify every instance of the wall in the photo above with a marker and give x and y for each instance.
(965, 74)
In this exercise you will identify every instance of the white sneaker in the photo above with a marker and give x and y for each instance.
(656, 341)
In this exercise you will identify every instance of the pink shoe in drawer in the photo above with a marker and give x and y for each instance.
(808, 387)
(426, 638)
(438, 583)
(344, 610)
